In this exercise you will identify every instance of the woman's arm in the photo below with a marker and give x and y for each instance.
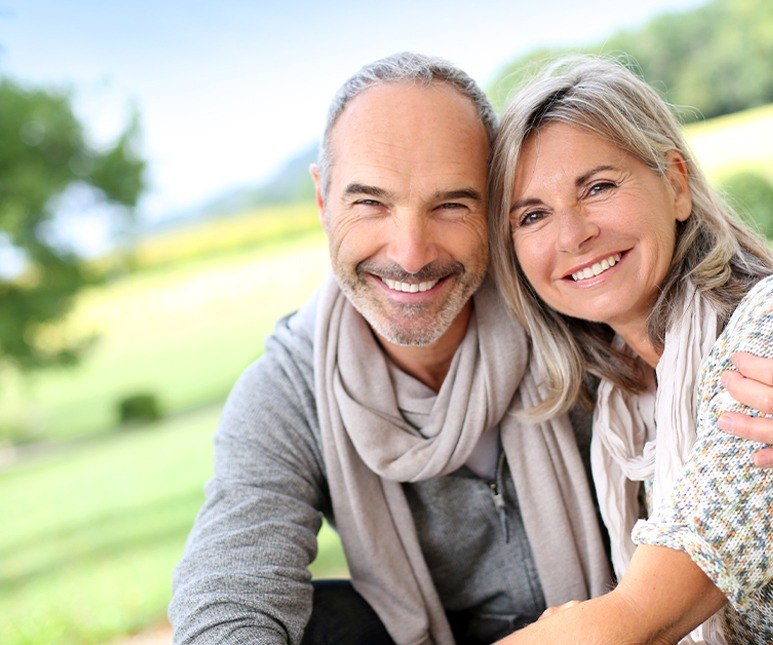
(662, 597)
(717, 515)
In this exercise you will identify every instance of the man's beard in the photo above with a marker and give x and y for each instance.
(411, 325)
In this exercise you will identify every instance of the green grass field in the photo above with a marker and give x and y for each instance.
(182, 332)
(91, 533)
(94, 527)
(94, 524)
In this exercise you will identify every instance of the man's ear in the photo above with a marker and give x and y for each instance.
(678, 175)
(318, 194)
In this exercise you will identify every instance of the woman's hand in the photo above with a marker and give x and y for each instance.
(752, 385)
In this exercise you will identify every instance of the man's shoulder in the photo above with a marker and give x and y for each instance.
(272, 405)
(292, 340)
(285, 370)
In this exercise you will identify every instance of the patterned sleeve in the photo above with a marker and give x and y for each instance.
(719, 511)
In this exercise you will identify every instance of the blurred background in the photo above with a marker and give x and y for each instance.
(156, 218)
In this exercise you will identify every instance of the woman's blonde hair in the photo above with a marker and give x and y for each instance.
(717, 253)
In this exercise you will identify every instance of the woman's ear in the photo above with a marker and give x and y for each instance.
(678, 176)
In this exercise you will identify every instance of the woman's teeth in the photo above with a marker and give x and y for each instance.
(596, 269)
(409, 287)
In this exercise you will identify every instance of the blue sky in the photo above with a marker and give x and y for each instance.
(228, 90)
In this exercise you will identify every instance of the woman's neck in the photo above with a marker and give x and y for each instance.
(637, 338)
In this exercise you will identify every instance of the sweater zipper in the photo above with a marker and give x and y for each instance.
(499, 499)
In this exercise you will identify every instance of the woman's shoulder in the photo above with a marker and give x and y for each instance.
(760, 294)
(756, 305)
(750, 329)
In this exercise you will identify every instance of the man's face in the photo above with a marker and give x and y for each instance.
(405, 211)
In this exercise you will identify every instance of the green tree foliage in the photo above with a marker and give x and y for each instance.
(714, 58)
(752, 194)
(44, 153)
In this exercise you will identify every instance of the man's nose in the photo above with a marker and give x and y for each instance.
(575, 229)
(411, 244)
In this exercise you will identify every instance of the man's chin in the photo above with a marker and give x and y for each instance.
(419, 333)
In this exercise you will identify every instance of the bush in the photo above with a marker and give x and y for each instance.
(16, 432)
(752, 194)
(139, 407)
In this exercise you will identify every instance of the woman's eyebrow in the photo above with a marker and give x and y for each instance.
(587, 175)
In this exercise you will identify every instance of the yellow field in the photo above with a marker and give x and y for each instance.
(742, 141)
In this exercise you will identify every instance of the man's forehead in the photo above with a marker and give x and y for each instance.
(403, 106)
(407, 128)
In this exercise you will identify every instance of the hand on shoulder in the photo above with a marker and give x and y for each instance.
(752, 385)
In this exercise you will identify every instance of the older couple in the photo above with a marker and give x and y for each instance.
(449, 448)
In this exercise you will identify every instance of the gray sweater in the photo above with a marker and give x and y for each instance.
(244, 577)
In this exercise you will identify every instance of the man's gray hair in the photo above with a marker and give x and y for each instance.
(406, 67)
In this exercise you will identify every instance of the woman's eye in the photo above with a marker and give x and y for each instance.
(531, 217)
(600, 187)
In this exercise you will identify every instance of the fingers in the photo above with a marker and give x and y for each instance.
(752, 428)
(753, 386)
(750, 391)
(764, 458)
(754, 367)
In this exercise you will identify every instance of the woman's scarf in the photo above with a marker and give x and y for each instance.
(649, 435)
(369, 449)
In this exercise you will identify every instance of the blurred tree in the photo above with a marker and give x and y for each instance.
(752, 194)
(714, 58)
(44, 154)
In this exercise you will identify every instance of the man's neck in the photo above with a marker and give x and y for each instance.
(430, 363)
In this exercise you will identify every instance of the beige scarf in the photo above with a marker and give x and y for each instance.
(369, 449)
(648, 436)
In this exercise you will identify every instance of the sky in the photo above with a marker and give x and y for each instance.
(228, 91)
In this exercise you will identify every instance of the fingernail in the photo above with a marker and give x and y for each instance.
(726, 377)
(762, 460)
(725, 422)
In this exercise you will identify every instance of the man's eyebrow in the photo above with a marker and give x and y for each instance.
(459, 193)
(364, 189)
(531, 201)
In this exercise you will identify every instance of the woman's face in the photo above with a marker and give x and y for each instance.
(593, 227)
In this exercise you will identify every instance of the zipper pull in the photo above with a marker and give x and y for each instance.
(499, 505)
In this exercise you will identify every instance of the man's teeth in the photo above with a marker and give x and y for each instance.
(409, 287)
(599, 267)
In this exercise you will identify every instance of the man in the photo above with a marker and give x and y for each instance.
(384, 402)
(389, 404)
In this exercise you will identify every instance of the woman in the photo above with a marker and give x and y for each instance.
(622, 263)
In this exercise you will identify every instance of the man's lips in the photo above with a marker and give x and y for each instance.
(397, 281)
(410, 287)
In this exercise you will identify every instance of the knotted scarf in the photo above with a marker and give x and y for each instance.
(370, 449)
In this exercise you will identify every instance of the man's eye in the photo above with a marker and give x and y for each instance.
(367, 202)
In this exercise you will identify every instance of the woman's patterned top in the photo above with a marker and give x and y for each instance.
(720, 511)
